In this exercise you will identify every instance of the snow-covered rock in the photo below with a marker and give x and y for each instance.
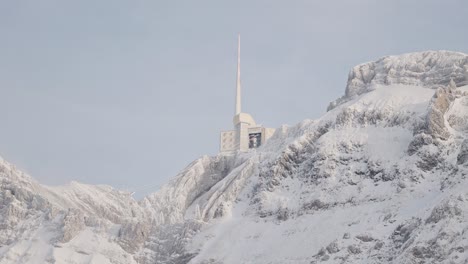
(430, 69)
(380, 178)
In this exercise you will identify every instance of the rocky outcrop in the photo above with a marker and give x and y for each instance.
(428, 138)
(132, 235)
(168, 206)
(431, 69)
(462, 157)
(435, 120)
(73, 223)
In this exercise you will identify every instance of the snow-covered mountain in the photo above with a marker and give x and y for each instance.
(380, 178)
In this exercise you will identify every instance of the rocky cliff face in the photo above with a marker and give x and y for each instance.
(380, 178)
(430, 69)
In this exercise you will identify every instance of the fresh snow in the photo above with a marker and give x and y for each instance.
(379, 178)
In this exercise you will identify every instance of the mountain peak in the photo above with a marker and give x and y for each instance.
(429, 69)
(381, 178)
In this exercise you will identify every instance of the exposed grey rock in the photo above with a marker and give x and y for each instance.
(353, 117)
(379, 245)
(418, 141)
(437, 108)
(462, 157)
(365, 238)
(283, 214)
(430, 158)
(333, 248)
(315, 205)
(422, 252)
(403, 232)
(133, 234)
(354, 249)
(220, 211)
(447, 209)
(73, 223)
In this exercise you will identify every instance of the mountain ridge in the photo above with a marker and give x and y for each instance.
(379, 178)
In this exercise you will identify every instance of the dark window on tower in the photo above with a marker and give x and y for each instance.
(255, 140)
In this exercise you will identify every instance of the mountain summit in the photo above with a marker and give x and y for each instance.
(379, 178)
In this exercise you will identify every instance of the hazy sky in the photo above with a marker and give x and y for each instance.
(127, 93)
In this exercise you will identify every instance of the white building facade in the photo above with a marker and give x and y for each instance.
(246, 134)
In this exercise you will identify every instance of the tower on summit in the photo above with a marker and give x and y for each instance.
(246, 134)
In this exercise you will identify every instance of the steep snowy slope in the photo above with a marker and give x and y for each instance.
(349, 191)
(71, 224)
(380, 178)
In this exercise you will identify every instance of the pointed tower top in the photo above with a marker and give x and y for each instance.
(240, 117)
(238, 85)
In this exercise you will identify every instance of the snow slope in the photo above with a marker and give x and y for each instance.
(380, 178)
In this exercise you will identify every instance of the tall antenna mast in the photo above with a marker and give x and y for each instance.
(238, 88)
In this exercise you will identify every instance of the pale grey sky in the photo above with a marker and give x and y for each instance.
(127, 93)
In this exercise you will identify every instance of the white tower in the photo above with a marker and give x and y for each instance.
(246, 134)
(242, 121)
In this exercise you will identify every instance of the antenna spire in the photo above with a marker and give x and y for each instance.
(238, 86)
